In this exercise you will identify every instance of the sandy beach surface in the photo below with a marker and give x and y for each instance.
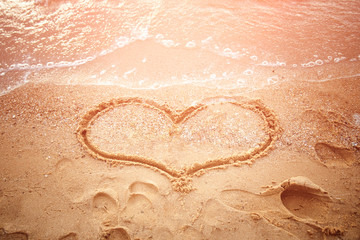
(182, 162)
(149, 119)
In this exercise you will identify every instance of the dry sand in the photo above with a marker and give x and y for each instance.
(183, 162)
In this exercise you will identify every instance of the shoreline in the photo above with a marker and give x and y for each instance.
(251, 77)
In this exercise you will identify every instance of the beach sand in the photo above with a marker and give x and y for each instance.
(181, 162)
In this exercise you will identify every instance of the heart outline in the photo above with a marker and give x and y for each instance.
(180, 177)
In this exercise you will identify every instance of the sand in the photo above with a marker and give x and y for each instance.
(182, 162)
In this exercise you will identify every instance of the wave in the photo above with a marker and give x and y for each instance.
(252, 40)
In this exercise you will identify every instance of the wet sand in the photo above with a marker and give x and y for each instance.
(181, 162)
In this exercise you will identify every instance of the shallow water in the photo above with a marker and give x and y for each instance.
(153, 43)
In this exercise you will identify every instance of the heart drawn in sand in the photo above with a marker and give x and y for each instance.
(213, 133)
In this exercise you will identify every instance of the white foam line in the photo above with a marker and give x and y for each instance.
(331, 79)
(249, 89)
(159, 86)
(130, 71)
(17, 85)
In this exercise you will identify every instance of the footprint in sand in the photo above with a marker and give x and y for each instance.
(144, 187)
(300, 202)
(298, 195)
(115, 234)
(70, 236)
(12, 236)
(305, 199)
(332, 156)
(142, 195)
(296, 205)
(105, 208)
(139, 203)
